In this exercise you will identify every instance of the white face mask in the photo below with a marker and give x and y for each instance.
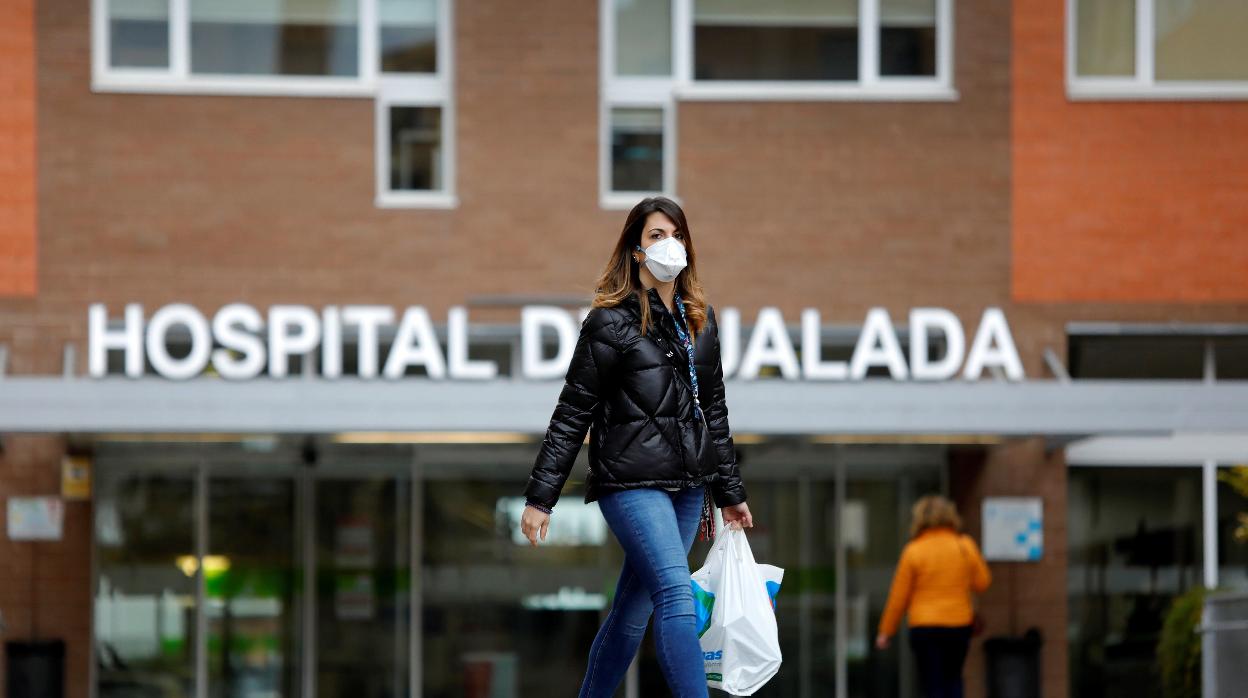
(665, 258)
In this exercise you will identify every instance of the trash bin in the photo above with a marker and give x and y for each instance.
(36, 668)
(1014, 665)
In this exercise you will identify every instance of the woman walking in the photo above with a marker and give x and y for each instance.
(646, 382)
(938, 570)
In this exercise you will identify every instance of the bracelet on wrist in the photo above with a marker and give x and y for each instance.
(539, 507)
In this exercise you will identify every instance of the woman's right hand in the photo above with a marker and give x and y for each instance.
(738, 514)
(532, 521)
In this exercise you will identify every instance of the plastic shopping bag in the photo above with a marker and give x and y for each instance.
(734, 599)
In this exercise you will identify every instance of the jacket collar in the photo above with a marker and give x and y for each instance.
(652, 293)
(661, 324)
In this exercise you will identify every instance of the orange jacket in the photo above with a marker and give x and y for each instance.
(934, 579)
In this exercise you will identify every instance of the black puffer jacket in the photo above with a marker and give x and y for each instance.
(633, 394)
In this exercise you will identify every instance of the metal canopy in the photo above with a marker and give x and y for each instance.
(767, 407)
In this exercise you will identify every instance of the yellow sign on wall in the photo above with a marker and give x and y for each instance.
(75, 477)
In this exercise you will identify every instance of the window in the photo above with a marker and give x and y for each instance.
(139, 33)
(637, 133)
(1214, 352)
(637, 149)
(285, 47)
(1189, 49)
(274, 37)
(655, 52)
(814, 40)
(816, 49)
(1134, 543)
(397, 51)
(414, 141)
(408, 36)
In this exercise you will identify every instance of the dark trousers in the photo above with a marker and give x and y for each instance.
(940, 652)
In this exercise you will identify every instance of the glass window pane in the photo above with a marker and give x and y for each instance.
(415, 148)
(1138, 357)
(875, 526)
(643, 37)
(138, 33)
(907, 37)
(1232, 518)
(1106, 37)
(145, 598)
(1231, 356)
(636, 150)
(408, 36)
(363, 586)
(251, 605)
(275, 37)
(1134, 537)
(1201, 39)
(780, 40)
(501, 617)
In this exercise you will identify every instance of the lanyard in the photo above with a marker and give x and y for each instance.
(684, 340)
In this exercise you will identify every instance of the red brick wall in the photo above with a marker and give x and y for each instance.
(1121, 201)
(45, 586)
(1023, 594)
(213, 199)
(17, 148)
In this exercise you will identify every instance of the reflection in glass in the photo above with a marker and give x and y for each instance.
(1201, 39)
(778, 40)
(501, 613)
(408, 35)
(138, 33)
(799, 536)
(415, 148)
(907, 37)
(636, 150)
(144, 602)
(1134, 537)
(251, 607)
(643, 37)
(1105, 44)
(1232, 553)
(363, 587)
(275, 37)
(875, 526)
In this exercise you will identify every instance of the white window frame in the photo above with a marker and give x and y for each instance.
(387, 89)
(177, 78)
(399, 89)
(870, 85)
(664, 92)
(620, 199)
(651, 92)
(1142, 85)
(414, 96)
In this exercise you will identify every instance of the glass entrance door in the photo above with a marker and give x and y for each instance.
(252, 594)
(363, 585)
(228, 571)
(240, 571)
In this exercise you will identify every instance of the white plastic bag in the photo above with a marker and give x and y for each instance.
(734, 598)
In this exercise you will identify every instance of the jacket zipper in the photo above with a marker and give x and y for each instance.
(697, 401)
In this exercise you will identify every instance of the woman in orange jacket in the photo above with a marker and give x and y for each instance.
(939, 568)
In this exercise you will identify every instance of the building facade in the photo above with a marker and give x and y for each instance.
(289, 290)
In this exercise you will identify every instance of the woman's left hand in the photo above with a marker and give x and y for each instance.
(881, 642)
(738, 513)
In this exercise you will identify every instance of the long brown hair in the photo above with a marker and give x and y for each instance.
(621, 277)
(933, 511)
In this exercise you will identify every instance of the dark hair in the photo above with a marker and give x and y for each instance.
(621, 277)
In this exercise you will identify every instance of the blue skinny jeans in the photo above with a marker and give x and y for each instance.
(656, 528)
